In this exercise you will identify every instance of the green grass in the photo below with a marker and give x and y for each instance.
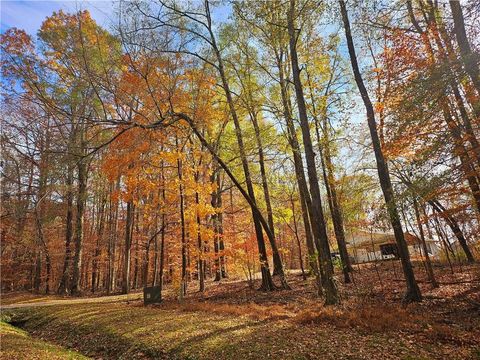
(121, 331)
(17, 344)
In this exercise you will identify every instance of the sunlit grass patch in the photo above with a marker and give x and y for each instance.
(250, 310)
(16, 344)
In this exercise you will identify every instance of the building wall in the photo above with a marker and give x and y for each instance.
(363, 255)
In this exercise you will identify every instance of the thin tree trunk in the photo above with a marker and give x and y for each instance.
(65, 277)
(252, 109)
(101, 225)
(42, 247)
(267, 282)
(183, 289)
(112, 241)
(297, 238)
(162, 255)
(428, 263)
(413, 291)
(146, 261)
(459, 143)
(137, 250)
(38, 266)
(163, 226)
(128, 247)
(469, 58)
(329, 179)
(446, 51)
(277, 261)
(223, 165)
(155, 257)
(461, 152)
(221, 244)
(81, 201)
(215, 225)
(453, 224)
(305, 199)
(317, 219)
(200, 261)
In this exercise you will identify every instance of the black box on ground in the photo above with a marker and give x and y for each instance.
(152, 295)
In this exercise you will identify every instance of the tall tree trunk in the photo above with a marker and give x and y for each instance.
(39, 212)
(449, 219)
(336, 214)
(469, 58)
(137, 250)
(461, 152)
(428, 263)
(277, 261)
(453, 224)
(252, 109)
(146, 261)
(297, 238)
(458, 141)
(162, 233)
(305, 199)
(317, 219)
(128, 247)
(267, 282)
(413, 291)
(200, 248)
(258, 215)
(38, 266)
(215, 224)
(155, 258)
(100, 227)
(65, 277)
(42, 248)
(81, 201)
(329, 179)
(37, 281)
(221, 243)
(162, 255)
(183, 285)
(112, 240)
(445, 52)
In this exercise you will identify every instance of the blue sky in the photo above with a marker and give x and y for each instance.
(29, 15)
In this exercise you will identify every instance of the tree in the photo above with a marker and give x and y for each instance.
(413, 291)
(317, 218)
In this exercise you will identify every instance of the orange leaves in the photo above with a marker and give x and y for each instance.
(379, 107)
(16, 42)
(17, 54)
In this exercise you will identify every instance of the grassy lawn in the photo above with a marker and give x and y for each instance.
(230, 320)
(131, 331)
(17, 344)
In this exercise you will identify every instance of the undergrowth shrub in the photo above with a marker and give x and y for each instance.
(369, 318)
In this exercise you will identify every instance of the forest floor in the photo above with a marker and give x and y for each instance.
(17, 343)
(232, 320)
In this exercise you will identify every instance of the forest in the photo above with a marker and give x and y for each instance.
(267, 168)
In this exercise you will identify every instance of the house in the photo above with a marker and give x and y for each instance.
(364, 246)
